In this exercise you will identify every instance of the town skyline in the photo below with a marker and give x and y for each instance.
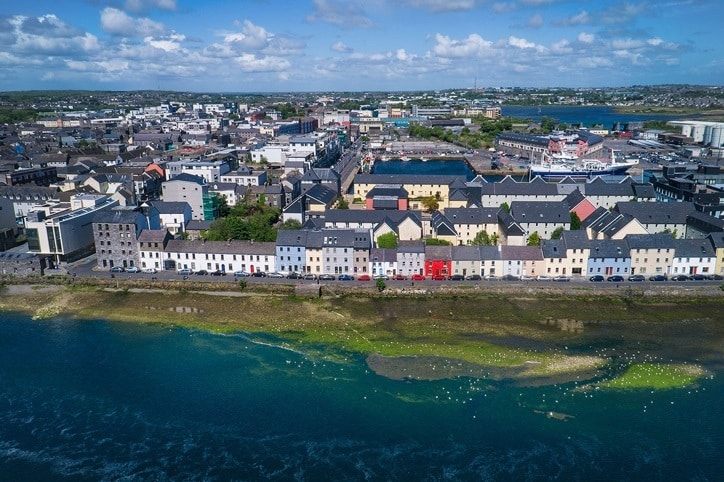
(324, 45)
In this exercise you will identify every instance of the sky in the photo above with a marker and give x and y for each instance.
(364, 45)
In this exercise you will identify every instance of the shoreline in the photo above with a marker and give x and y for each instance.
(528, 338)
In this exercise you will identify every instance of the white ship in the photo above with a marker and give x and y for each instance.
(566, 165)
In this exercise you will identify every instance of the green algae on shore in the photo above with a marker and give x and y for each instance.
(659, 376)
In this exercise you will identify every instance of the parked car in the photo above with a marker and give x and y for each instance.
(596, 278)
(309, 277)
(615, 278)
(543, 277)
(132, 269)
(657, 277)
(697, 277)
(258, 274)
(456, 277)
(418, 277)
(364, 277)
(184, 272)
(637, 277)
(680, 277)
(381, 276)
(399, 277)
(117, 269)
(438, 277)
(242, 274)
(218, 272)
(326, 277)
(274, 274)
(510, 277)
(715, 277)
(150, 270)
(345, 277)
(202, 272)
(561, 278)
(473, 277)
(294, 275)
(526, 278)
(491, 277)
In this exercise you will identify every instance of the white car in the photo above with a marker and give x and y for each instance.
(544, 278)
(149, 270)
(132, 269)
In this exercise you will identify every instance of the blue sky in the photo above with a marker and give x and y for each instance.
(322, 45)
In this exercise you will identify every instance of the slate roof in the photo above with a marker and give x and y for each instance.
(116, 216)
(657, 213)
(233, 246)
(292, 237)
(609, 248)
(368, 216)
(383, 255)
(442, 225)
(523, 253)
(540, 212)
(438, 252)
(396, 191)
(465, 253)
(553, 248)
(153, 236)
(411, 246)
(510, 187)
(650, 241)
(489, 253)
(693, 248)
(717, 239)
(573, 199)
(169, 207)
(476, 216)
(575, 239)
(186, 177)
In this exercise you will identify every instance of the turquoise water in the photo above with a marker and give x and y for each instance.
(106, 401)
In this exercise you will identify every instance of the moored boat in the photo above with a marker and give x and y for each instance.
(559, 166)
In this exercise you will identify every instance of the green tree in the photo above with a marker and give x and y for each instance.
(387, 240)
(380, 284)
(481, 239)
(431, 204)
(505, 207)
(242, 284)
(556, 234)
(436, 242)
(575, 221)
(534, 239)
(290, 224)
(342, 203)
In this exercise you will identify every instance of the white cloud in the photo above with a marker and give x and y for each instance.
(503, 7)
(251, 37)
(521, 43)
(441, 5)
(471, 46)
(252, 63)
(118, 22)
(341, 47)
(340, 13)
(172, 43)
(578, 19)
(586, 38)
(535, 21)
(654, 41)
(143, 5)
(404, 56)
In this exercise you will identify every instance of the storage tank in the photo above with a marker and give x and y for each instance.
(698, 132)
(686, 130)
(706, 139)
(717, 136)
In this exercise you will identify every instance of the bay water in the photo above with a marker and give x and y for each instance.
(96, 400)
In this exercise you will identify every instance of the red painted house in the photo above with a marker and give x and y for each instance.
(438, 261)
